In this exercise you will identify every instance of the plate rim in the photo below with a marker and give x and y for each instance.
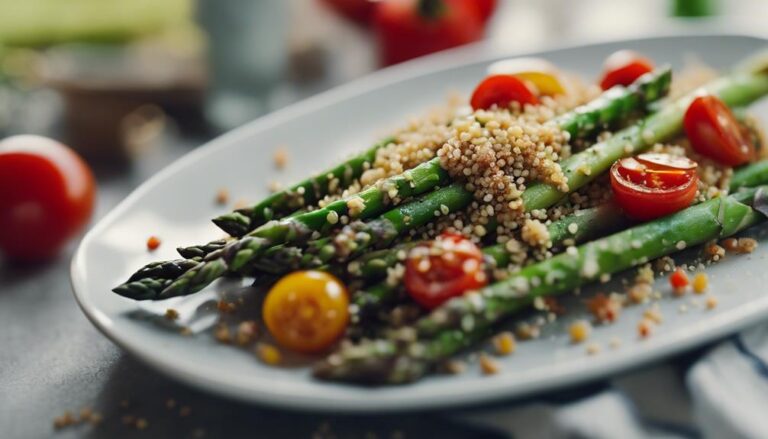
(578, 371)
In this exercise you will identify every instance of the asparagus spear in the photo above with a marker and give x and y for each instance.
(407, 354)
(612, 105)
(304, 193)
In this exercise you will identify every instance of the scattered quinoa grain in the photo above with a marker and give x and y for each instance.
(747, 245)
(141, 424)
(222, 196)
(653, 314)
(226, 307)
(639, 292)
(593, 349)
(65, 420)
(274, 186)
(715, 252)
(185, 411)
(453, 367)
(730, 244)
(171, 314)
(488, 365)
(504, 343)
(579, 331)
(268, 354)
(246, 332)
(280, 158)
(645, 328)
(711, 302)
(95, 419)
(605, 309)
(85, 414)
(700, 283)
(222, 333)
(527, 331)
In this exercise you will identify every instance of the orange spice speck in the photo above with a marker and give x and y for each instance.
(679, 281)
(153, 242)
(645, 328)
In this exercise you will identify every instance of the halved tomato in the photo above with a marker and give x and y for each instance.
(542, 74)
(653, 185)
(714, 132)
(623, 68)
(501, 90)
(445, 268)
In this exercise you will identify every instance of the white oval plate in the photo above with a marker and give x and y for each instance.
(176, 203)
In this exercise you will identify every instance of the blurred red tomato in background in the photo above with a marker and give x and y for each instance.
(406, 29)
(47, 194)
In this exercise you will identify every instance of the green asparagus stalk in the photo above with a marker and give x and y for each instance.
(304, 193)
(612, 105)
(407, 354)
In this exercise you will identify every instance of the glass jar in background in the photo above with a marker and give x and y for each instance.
(247, 57)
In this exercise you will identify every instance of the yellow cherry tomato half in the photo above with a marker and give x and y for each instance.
(541, 73)
(307, 311)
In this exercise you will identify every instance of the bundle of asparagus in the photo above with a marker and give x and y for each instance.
(363, 237)
(239, 255)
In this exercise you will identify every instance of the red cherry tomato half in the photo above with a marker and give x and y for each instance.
(623, 68)
(407, 29)
(46, 197)
(501, 90)
(714, 132)
(653, 185)
(448, 267)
